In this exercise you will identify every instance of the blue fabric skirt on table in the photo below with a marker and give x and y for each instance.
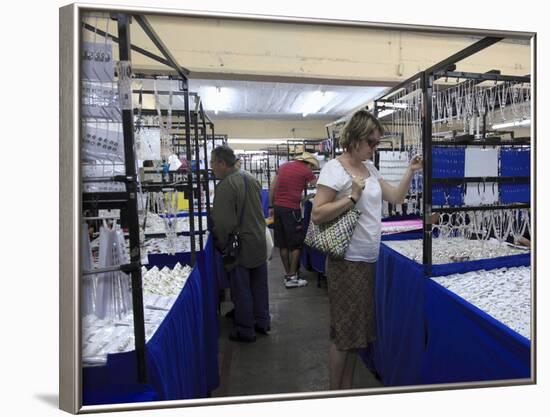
(466, 344)
(416, 320)
(182, 355)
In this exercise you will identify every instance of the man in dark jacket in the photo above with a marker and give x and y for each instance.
(238, 208)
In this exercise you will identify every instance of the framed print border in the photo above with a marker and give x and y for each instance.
(70, 372)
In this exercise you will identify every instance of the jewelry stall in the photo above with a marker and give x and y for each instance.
(152, 334)
(453, 303)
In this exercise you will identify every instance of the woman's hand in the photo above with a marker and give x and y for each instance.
(357, 186)
(416, 163)
(396, 195)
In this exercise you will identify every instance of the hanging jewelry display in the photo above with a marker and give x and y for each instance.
(165, 205)
(502, 94)
(102, 150)
(89, 285)
(165, 128)
(404, 107)
(113, 299)
(483, 225)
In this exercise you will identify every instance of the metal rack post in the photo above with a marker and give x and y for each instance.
(198, 172)
(206, 178)
(124, 44)
(426, 83)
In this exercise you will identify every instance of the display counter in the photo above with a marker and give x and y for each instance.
(426, 334)
(182, 355)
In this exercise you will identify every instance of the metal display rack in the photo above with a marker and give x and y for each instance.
(197, 130)
(334, 130)
(257, 164)
(192, 143)
(425, 82)
(127, 203)
(284, 152)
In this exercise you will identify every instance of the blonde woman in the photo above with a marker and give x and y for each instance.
(351, 180)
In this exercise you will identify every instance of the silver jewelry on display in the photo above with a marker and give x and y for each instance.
(448, 248)
(101, 337)
(504, 294)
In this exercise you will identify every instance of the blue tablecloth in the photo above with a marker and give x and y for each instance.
(317, 260)
(182, 355)
(209, 261)
(160, 260)
(265, 202)
(415, 321)
(183, 214)
(399, 300)
(465, 344)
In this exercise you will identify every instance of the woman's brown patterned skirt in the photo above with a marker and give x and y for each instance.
(351, 298)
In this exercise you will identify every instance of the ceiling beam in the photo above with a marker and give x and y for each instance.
(270, 78)
(152, 34)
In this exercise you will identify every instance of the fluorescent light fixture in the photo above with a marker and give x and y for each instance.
(387, 112)
(397, 105)
(315, 101)
(216, 98)
(516, 123)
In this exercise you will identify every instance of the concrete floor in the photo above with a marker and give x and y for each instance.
(294, 356)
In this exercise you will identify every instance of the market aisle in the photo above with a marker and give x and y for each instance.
(294, 357)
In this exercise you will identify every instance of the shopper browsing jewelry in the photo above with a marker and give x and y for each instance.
(351, 180)
(285, 196)
(237, 215)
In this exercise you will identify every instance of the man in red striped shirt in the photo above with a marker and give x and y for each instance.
(284, 205)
